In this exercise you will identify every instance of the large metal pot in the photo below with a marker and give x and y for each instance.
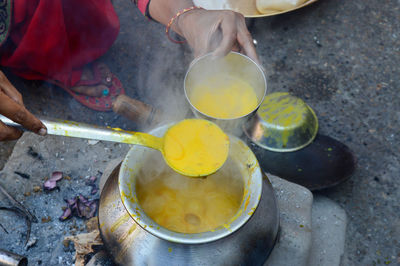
(134, 239)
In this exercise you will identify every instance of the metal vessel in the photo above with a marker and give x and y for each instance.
(283, 123)
(11, 259)
(130, 242)
(234, 64)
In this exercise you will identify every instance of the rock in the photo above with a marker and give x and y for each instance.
(32, 242)
(312, 229)
(329, 222)
(294, 203)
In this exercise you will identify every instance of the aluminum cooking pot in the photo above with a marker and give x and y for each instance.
(133, 238)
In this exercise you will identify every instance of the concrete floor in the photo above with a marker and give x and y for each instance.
(341, 57)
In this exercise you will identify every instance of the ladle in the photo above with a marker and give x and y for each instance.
(192, 147)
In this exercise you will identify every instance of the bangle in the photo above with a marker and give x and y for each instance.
(167, 29)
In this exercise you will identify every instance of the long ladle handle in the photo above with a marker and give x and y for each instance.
(81, 130)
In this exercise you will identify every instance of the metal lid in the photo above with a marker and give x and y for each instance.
(283, 123)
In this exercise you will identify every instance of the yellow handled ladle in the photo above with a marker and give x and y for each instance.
(191, 147)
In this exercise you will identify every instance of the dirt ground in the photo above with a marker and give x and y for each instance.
(341, 57)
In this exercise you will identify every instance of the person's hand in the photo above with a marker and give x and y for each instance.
(217, 31)
(12, 106)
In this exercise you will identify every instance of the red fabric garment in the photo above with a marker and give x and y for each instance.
(54, 39)
(142, 5)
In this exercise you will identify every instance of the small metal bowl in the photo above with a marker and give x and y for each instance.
(234, 64)
(283, 123)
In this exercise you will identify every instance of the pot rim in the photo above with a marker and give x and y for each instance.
(193, 63)
(250, 201)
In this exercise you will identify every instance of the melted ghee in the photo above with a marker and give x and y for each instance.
(190, 205)
(196, 147)
(224, 96)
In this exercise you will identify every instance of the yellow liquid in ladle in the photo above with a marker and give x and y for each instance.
(195, 147)
(192, 147)
(224, 96)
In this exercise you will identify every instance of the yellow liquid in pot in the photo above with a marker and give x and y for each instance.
(190, 205)
(224, 96)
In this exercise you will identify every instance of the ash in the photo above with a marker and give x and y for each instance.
(78, 160)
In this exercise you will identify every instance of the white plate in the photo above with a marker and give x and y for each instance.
(246, 7)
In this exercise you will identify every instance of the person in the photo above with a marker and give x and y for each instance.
(59, 41)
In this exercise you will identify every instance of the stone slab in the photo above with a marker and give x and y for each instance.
(295, 205)
(329, 222)
(312, 231)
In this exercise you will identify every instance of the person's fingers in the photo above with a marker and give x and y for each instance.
(236, 48)
(229, 33)
(9, 133)
(18, 113)
(200, 50)
(93, 90)
(9, 89)
(245, 40)
(210, 41)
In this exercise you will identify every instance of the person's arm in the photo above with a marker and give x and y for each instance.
(12, 106)
(163, 10)
(218, 31)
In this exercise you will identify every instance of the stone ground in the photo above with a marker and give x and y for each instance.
(341, 57)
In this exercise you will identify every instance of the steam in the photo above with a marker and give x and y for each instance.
(161, 83)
